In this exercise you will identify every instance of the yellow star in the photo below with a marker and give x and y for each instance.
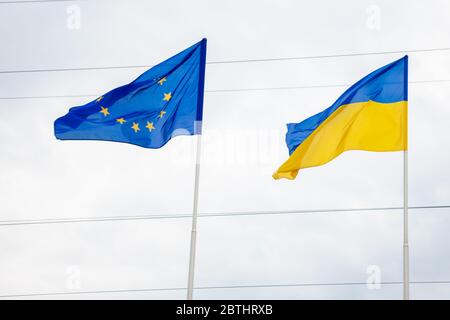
(150, 126)
(167, 96)
(121, 120)
(99, 99)
(104, 111)
(161, 113)
(135, 127)
(162, 80)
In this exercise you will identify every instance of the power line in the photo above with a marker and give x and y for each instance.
(310, 86)
(201, 215)
(219, 90)
(329, 284)
(50, 97)
(233, 61)
(36, 1)
(331, 56)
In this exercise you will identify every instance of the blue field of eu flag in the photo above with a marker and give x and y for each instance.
(163, 102)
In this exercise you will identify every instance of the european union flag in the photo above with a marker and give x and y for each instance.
(163, 102)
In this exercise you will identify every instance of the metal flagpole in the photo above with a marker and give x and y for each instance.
(194, 221)
(405, 228)
(405, 199)
(198, 132)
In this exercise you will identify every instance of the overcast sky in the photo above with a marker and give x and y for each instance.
(243, 137)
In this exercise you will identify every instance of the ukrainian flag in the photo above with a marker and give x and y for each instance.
(371, 115)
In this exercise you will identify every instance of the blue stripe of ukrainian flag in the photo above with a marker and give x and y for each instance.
(371, 115)
(163, 102)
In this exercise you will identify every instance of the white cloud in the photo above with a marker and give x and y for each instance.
(41, 177)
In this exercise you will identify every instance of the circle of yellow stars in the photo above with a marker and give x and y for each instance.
(135, 127)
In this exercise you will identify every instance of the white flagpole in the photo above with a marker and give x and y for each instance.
(198, 132)
(194, 221)
(405, 228)
(405, 200)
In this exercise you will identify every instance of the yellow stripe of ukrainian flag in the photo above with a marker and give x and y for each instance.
(369, 126)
